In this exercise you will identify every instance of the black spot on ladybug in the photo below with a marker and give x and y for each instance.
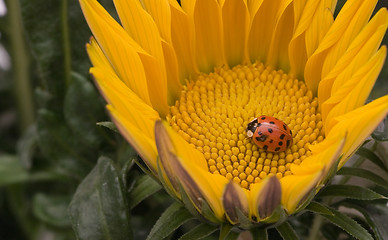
(265, 147)
(272, 122)
(270, 130)
(271, 141)
(280, 143)
(288, 143)
(262, 118)
(259, 132)
(285, 127)
(277, 149)
(261, 138)
(282, 136)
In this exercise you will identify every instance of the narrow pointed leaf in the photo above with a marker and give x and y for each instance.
(349, 191)
(368, 154)
(348, 225)
(319, 208)
(363, 173)
(380, 136)
(199, 232)
(109, 125)
(171, 219)
(375, 215)
(287, 231)
(99, 209)
(144, 187)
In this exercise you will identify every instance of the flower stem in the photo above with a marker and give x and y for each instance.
(66, 42)
(20, 64)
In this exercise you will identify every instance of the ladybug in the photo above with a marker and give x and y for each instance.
(270, 134)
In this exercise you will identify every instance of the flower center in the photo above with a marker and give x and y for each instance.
(213, 112)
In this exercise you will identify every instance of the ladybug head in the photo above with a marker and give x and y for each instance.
(251, 127)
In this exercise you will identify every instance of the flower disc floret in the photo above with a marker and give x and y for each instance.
(214, 110)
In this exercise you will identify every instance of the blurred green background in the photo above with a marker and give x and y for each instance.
(49, 107)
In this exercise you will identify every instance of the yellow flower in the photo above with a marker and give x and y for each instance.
(183, 81)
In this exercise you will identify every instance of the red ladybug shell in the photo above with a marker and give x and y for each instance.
(270, 134)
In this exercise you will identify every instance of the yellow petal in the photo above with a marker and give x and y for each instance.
(173, 83)
(189, 166)
(235, 17)
(359, 124)
(296, 188)
(125, 101)
(356, 90)
(357, 23)
(161, 13)
(263, 22)
(281, 36)
(97, 57)
(120, 50)
(184, 150)
(362, 48)
(143, 145)
(182, 35)
(313, 70)
(301, 46)
(209, 44)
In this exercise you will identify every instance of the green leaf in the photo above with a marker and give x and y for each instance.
(368, 154)
(349, 191)
(82, 109)
(377, 217)
(27, 145)
(199, 232)
(99, 209)
(319, 208)
(171, 219)
(51, 209)
(145, 186)
(287, 231)
(363, 173)
(348, 225)
(11, 170)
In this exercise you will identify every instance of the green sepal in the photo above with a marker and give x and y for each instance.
(200, 231)
(286, 231)
(348, 225)
(278, 215)
(170, 220)
(350, 191)
(144, 187)
(225, 230)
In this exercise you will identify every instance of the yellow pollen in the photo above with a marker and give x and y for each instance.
(214, 110)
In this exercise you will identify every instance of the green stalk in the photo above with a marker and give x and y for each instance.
(20, 64)
(66, 42)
